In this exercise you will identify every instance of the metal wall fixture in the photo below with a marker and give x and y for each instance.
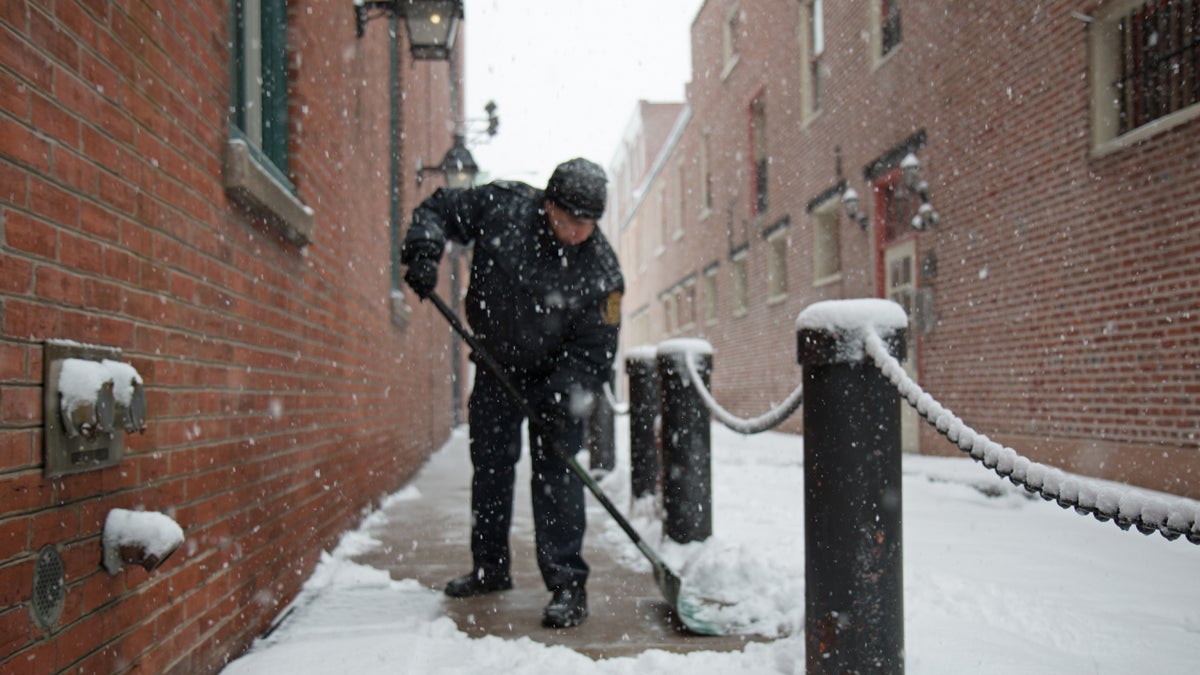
(49, 588)
(458, 166)
(91, 399)
(432, 24)
(145, 538)
(851, 203)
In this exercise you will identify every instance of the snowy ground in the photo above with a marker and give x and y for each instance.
(995, 582)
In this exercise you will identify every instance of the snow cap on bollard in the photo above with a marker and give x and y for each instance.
(833, 331)
(678, 346)
(642, 353)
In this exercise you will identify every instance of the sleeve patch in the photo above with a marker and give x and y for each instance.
(612, 309)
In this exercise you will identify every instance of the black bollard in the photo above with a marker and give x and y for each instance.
(686, 441)
(601, 437)
(643, 416)
(852, 491)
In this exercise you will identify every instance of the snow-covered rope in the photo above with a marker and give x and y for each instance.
(1126, 507)
(617, 407)
(769, 420)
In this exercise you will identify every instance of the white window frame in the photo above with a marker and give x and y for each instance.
(777, 266)
(712, 308)
(740, 276)
(827, 255)
(729, 35)
(1104, 53)
(812, 49)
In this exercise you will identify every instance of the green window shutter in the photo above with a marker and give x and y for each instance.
(260, 93)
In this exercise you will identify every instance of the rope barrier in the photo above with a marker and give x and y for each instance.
(617, 407)
(1126, 507)
(769, 420)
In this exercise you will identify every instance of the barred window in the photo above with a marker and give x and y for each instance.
(1159, 52)
(1145, 60)
(812, 44)
(758, 136)
(889, 16)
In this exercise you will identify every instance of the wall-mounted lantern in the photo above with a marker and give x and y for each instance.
(910, 167)
(926, 215)
(432, 24)
(458, 166)
(850, 203)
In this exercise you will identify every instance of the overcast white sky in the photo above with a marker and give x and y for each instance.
(567, 75)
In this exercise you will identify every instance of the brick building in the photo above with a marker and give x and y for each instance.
(1055, 303)
(218, 216)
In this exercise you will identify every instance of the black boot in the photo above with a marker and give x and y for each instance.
(477, 583)
(567, 608)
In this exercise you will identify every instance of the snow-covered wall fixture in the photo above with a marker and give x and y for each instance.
(91, 399)
(85, 390)
(926, 216)
(145, 538)
(129, 394)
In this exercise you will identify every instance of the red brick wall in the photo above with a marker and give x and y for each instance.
(282, 398)
(1066, 289)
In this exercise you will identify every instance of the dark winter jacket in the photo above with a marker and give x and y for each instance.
(540, 307)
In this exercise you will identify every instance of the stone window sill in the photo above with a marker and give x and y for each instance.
(249, 184)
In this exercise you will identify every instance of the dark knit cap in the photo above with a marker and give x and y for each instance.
(580, 187)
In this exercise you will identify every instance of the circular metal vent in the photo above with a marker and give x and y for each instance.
(49, 588)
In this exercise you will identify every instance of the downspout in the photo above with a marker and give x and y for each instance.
(394, 143)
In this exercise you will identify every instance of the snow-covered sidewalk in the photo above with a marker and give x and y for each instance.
(996, 581)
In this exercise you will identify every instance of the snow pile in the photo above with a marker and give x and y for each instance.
(996, 581)
(156, 533)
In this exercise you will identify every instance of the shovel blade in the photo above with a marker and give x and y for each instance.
(687, 608)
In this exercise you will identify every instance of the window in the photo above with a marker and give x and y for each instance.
(256, 155)
(729, 39)
(260, 87)
(827, 264)
(885, 26)
(812, 47)
(1146, 68)
(758, 136)
(705, 175)
(663, 216)
(680, 206)
(686, 303)
(639, 327)
(710, 295)
(741, 291)
(777, 249)
(629, 253)
(668, 311)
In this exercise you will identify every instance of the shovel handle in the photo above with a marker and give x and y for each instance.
(491, 364)
(482, 354)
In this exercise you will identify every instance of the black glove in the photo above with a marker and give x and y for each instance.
(422, 276)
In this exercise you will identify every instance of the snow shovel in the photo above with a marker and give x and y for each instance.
(668, 582)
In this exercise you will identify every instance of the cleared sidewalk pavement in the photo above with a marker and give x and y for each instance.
(427, 539)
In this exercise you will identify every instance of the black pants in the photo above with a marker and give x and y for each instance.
(558, 501)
